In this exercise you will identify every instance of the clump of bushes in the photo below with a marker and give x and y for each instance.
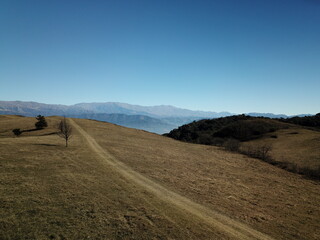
(245, 130)
(313, 173)
(261, 152)
(211, 131)
(40, 124)
(294, 168)
(308, 121)
(17, 132)
(232, 145)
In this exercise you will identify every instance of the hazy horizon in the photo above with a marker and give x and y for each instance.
(235, 56)
(164, 105)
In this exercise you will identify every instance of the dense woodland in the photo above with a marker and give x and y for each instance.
(240, 127)
(308, 121)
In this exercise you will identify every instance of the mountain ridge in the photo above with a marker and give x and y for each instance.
(161, 118)
(108, 107)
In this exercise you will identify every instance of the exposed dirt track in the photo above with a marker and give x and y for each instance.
(220, 222)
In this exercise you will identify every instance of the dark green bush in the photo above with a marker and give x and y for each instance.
(42, 123)
(17, 132)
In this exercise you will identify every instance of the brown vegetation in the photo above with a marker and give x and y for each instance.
(294, 149)
(49, 191)
(257, 136)
(268, 198)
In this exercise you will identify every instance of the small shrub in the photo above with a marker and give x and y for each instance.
(313, 173)
(217, 141)
(205, 139)
(232, 145)
(262, 152)
(272, 129)
(294, 168)
(17, 132)
(42, 123)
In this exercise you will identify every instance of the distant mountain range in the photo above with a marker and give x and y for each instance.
(163, 111)
(158, 119)
(132, 121)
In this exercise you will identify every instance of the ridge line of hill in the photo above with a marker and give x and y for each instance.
(232, 227)
(157, 119)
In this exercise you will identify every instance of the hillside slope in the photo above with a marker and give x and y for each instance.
(266, 197)
(52, 192)
(49, 191)
(293, 147)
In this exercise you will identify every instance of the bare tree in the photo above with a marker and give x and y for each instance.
(65, 130)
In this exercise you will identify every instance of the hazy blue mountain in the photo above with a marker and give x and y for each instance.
(161, 111)
(132, 121)
(34, 108)
(158, 119)
(178, 121)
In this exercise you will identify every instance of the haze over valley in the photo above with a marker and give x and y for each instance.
(158, 119)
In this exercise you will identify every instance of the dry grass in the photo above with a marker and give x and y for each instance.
(297, 146)
(52, 192)
(272, 200)
(48, 191)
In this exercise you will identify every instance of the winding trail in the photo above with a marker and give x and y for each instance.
(233, 228)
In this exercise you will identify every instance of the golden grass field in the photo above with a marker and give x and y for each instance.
(297, 145)
(118, 183)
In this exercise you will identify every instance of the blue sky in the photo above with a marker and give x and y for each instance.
(232, 55)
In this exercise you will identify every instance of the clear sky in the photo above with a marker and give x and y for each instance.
(217, 55)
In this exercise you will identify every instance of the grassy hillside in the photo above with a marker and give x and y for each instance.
(296, 149)
(289, 146)
(52, 192)
(119, 183)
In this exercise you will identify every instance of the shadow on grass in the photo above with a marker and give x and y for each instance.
(52, 133)
(46, 144)
(38, 129)
(30, 130)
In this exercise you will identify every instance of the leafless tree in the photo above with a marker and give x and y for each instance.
(65, 130)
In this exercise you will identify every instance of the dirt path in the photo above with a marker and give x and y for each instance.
(220, 222)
